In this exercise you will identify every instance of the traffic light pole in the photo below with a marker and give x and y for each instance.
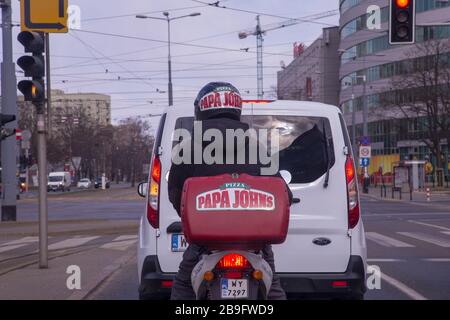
(9, 106)
(49, 87)
(42, 168)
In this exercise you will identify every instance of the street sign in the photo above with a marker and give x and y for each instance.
(48, 16)
(364, 162)
(365, 141)
(18, 134)
(365, 152)
(26, 135)
(76, 162)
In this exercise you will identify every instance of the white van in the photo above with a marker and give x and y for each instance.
(59, 181)
(325, 251)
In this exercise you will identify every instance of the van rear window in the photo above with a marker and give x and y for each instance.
(303, 148)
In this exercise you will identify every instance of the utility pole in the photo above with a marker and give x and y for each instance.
(9, 106)
(365, 132)
(49, 87)
(169, 61)
(259, 59)
(42, 168)
(168, 19)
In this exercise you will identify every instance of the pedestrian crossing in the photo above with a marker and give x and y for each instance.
(26, 245)
(386, 241)
(403, 239)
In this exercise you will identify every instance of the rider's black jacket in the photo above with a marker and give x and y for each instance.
(179, 173)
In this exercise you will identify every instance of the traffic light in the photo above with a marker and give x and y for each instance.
(33, 66)
(402, 22)
(4, 132)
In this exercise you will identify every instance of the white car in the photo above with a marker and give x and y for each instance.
(84, 183)
(325, 251)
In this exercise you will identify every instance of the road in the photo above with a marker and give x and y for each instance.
(408, 241)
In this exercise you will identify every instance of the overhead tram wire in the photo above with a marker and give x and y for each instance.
(217, 5)
(124, 68)
(197, 39)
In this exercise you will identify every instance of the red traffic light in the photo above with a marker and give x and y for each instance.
(402, 3)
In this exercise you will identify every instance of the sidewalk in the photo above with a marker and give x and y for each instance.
(99, 248)
(417, 196)
(94, 264)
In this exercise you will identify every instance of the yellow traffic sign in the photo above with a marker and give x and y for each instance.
(44, 15)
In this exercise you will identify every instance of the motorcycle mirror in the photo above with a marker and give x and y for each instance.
(167, 176)
(142, 189)
(286, 175)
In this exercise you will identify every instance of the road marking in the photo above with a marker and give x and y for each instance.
(437, 260)
(446, 232)
(70, 243)
(25, 240)
(385, 260)
(441, 242)
(126, 237)
(387, 241)
(429, 225)
(119, 245)
(413, 294)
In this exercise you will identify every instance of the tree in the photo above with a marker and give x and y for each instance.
(131, 149)
(421, 93)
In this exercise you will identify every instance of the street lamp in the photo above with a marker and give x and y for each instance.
(168, 19)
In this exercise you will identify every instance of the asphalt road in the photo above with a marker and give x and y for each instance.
(408, 241)
(119, 202)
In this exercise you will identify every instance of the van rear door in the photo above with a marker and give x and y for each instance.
(318, 238)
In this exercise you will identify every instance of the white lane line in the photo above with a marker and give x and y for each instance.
(387, 241)
(437, 260)
(119, 245)
(441, 242)
(385, 260)
(429, 225)
(126, 237)
(9, 248)
(446, 232)
(70, 243)
(413, 294)
(25, 240)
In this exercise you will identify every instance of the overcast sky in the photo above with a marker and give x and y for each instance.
(87, 62)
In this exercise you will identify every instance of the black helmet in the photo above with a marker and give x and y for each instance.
(216, 100)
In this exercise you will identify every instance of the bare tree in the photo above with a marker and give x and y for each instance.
(422, 92)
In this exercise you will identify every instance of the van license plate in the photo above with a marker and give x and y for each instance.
(179, 243)
(234, 288)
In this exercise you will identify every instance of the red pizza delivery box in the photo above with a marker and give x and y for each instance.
(235, 211)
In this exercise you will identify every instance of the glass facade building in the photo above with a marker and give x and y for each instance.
(368, 58)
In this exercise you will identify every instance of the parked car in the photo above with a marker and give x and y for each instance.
(84, 183)
(325, 250)
(59, 181)
(98, 183)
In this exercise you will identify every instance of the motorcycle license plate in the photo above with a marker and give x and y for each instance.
(178, 243)
(234, 288)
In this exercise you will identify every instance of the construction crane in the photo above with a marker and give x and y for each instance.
(259, 32)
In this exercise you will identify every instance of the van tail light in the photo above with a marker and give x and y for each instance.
(233, 261)
(153, 193)
(352, 193)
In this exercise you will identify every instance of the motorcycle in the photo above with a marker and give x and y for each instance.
(234, 217)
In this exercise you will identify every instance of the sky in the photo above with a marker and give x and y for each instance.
(132, 66)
